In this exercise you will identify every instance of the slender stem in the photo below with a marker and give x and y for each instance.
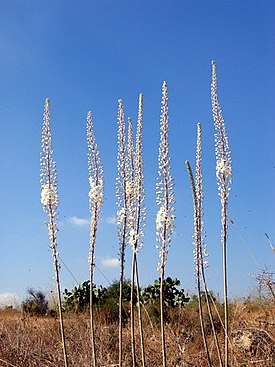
(121, 282)
(57, 280)
(210, 311)
(92, 315)
(224, 243)
(197, 224)
(162, 315)
(140, 318)
(135, 272)
(120, 314)
(149, 319)
(133, 310)
(222, 324)
(201, 320)
(52, 234)
(61, 317)
(92, 258)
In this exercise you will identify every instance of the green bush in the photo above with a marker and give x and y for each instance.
(173, 297)
(78, 300)
(106, 300)
(194, 303)
(110, 306)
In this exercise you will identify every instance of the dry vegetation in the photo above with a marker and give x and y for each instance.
(35, 341)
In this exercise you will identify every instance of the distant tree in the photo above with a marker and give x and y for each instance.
(36, 303)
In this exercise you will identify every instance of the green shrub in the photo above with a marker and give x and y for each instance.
(110, 306)
(173, 297)
(194, 303)
(105, 299)
(78, 300)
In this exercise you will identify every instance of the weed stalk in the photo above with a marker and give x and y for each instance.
(165, 200)
(224, 179)
(95, 170)
(49, 200)
(121, 193)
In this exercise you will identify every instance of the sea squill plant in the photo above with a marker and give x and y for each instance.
(130, 172)
(95, 170)
(224, 179)
(198, 259)
(49, 200)
(165, 201)
(137, 216)
(200, 251)
(122, 193)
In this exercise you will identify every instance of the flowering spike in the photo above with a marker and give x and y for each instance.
(199, 194)
(48, 180)
(130, 185)
(165, 194)
(223, 154)
(48, 176)
(139, 179)
(96, 182)
(121, 166)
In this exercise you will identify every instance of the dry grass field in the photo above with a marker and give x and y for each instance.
(35, 341)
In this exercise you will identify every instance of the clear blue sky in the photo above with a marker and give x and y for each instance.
(85, 55)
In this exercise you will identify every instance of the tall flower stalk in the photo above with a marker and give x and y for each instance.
(49, 200)
(197, 198)
(95, 169)
(137, 216)
(122, 204)
(200, 251)
(165, 201)
(224, 179)
(140, 213)
(130, 170)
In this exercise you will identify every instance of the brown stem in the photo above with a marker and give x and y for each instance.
(197, 224)
(121, 281)
(132, 309)
(162, 315)
(92, 313)
(224, 243)
(201, 319)
(210, 310)
(140, 318)
(57, 280)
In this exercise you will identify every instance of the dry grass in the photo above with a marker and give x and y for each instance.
(31, 341)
